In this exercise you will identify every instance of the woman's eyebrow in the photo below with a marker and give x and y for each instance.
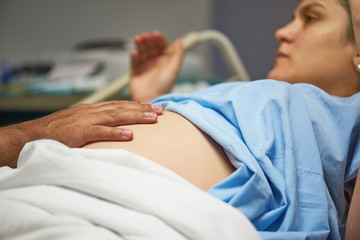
(306, 8)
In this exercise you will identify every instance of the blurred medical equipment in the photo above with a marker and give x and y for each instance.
(90, 73)
(189, 41)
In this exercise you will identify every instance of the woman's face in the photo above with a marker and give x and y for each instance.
(314, 47)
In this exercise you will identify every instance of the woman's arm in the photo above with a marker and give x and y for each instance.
(353, 221)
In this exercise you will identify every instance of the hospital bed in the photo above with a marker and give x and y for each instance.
(190, 40)
(64, 193)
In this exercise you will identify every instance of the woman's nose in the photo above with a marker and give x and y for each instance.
(286, 33)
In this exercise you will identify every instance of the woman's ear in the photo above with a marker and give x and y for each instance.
(356, 62)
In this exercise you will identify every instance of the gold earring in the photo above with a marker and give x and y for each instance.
(358, 68)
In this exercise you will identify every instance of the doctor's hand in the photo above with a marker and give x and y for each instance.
(154, 66)
(76, 126)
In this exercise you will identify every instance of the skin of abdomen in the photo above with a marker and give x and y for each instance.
(175, 143)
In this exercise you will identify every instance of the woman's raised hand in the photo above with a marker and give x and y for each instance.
(154, 66)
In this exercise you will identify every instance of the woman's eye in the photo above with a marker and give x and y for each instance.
(310, 18)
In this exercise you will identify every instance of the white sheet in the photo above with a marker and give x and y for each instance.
(62, 193)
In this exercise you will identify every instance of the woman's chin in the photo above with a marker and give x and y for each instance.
(276, 74)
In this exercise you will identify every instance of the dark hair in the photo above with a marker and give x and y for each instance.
(350, 29)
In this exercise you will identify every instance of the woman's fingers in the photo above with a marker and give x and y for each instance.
(150, 46)
(161, 41)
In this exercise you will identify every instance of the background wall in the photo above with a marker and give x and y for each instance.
(31, 27)
(250, 25)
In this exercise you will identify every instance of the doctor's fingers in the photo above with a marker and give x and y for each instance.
(121, 117)
(103, 133)
(132, 106)
(117, 106)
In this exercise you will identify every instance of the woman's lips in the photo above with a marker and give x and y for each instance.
(280, 54)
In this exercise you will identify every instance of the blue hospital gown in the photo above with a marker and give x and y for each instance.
(295, 147)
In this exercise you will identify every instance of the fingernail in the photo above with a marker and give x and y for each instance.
(126, 133)
(156, 108)
(151, 115)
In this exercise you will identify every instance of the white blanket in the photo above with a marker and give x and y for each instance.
(62, 193)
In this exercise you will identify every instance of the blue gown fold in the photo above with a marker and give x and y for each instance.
(295, 147)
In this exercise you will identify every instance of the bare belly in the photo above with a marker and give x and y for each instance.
(177, 144)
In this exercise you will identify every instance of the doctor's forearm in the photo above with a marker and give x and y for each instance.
(77, 126)
(12, 140)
